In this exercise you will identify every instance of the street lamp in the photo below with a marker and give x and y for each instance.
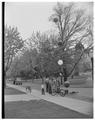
(60, 63)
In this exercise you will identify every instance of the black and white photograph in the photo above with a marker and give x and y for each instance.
(48, 60)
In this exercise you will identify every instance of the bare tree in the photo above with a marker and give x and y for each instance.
(12, 45)
(72, 26)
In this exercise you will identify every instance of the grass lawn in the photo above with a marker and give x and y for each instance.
(79, 97)
(11, 91)
(39, 109)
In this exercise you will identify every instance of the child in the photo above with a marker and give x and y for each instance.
(29, 89)
(42, 89)
(67, 84)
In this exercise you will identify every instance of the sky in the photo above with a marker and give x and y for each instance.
(31, 16)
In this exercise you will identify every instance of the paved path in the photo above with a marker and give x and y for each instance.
(73, 104)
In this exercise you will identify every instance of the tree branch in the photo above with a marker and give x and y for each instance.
(79, 59)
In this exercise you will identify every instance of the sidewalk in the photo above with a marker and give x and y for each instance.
(73, 104)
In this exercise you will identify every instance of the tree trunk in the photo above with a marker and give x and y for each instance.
(61, 80)
(65, 74)
(65, 78)
(76, 73)
(92, 66)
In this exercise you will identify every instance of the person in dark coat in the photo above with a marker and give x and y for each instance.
(58, 86)
(50, 86)
(47, 84)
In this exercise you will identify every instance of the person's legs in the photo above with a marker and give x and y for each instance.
(58, 89)
(46, 88)
(43, 91)
(66, 91)
(50, 90)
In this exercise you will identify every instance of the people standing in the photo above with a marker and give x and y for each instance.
(47, 83)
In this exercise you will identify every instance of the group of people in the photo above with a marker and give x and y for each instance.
(50, 84)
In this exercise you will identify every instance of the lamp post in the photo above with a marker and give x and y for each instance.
(60, 63)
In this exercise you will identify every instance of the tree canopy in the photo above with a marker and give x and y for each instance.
(12, 45)
(41, 52)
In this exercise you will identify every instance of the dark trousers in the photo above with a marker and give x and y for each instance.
(43, 91)
(46, 87)
(50, 90)
(14, 82)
